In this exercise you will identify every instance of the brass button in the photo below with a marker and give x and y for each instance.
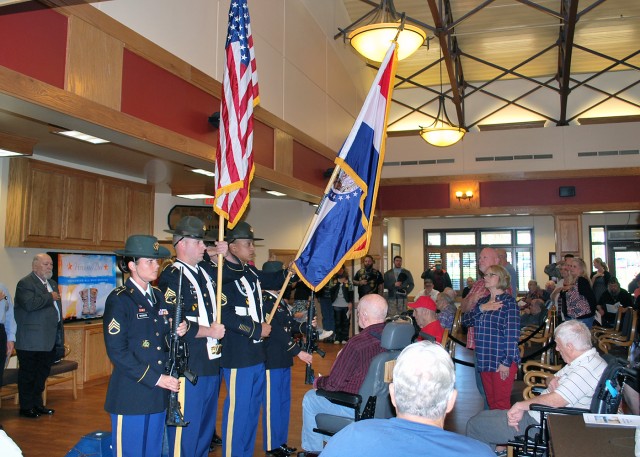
(157, 334)
(159, 348)
(159, 362)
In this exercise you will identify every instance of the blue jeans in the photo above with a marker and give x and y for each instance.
(312, 404)
(328, 323)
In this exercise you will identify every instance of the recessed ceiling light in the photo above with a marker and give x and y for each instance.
(195, 196)
(204, 172)
(76, 135)
(276, 193)
(6, 153)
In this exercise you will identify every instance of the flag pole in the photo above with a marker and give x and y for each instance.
(219, 278)
(336, 169)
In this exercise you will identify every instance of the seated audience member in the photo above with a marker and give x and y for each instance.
(614, 295)
(535, 292)
(424, 312)
(466, 290)
(428, 290)
(549, 287)
(450, 292)
(422, 392)
(348, 371)
(572, 386)
(446, 310)
(534, 314)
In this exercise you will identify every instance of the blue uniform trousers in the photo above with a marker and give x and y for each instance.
(245, 389)
(276, 407)
(137, 435)
(199, 407)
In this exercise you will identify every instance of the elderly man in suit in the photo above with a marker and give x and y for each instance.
(38, 315)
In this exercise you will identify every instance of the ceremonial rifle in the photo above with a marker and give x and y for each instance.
(177, 365)
(311, 344)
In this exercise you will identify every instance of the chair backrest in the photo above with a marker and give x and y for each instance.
(608, 393)
(395, 337)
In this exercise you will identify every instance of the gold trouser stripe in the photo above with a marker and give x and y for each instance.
(267, 410)
(119, 435)
(177, 447)
(232, 409)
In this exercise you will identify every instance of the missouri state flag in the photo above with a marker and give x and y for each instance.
(341, 227)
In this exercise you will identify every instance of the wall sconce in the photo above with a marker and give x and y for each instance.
(468, 195)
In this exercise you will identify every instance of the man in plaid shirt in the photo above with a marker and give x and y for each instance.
(348, 371)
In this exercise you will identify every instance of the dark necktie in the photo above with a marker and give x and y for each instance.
(149, 299)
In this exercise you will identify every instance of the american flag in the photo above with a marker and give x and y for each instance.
(234, 158)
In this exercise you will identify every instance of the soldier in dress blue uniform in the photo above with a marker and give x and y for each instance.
(199, 402)
(281, 349)
(243, 356)
(136, 324)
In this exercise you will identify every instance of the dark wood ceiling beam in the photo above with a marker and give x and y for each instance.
(569, 10)
(608, 97)
(443, 33)
(615, 61)
(541, 8)
(511, 71)
(513, 102)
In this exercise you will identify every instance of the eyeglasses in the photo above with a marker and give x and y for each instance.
(491, 274)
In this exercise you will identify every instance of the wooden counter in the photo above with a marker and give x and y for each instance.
(86, 341)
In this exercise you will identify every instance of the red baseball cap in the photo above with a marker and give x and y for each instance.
(423, 302)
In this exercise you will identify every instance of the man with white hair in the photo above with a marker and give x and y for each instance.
(422, 392)
(348, 371)
(573, 386)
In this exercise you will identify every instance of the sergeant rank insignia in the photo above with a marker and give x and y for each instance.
(114, 327)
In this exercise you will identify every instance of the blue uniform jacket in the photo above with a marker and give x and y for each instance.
(241, 345)
(199, 361)
(135, 334)
(280, 346)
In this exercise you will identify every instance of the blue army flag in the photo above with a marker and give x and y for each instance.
(341, 227)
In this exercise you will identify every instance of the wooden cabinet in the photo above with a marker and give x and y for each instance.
(568, 235)
(86, 344)
(52, 206)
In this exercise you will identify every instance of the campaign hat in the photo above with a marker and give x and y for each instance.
(146, 246)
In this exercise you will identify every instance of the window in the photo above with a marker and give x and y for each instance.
(459, 252)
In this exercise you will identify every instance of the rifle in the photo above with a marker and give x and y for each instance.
(177, 366)
(311, 345)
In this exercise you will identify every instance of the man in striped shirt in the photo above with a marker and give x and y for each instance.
(573, 386)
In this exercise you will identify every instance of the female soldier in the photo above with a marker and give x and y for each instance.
(136, 324)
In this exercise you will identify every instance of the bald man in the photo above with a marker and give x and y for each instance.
(38, 316)
(348, 371)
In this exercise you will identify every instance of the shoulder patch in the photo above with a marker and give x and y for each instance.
(170, 296)
(120, 289)
(167, 266)
(114, 327)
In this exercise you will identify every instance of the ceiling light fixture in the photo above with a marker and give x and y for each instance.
(77, 135)
(382, 26)
(200, 171)
(275, 193)
(442, 132)
(195, 196)
(14, 145)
